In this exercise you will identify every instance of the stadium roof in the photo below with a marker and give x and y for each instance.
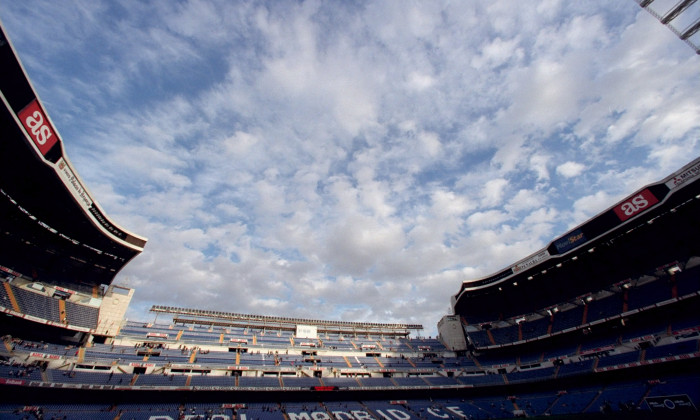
(50, 222)
(654, 226)
(200, 316)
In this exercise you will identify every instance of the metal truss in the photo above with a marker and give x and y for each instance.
(681, 18)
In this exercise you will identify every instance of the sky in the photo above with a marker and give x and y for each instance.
(353, 161)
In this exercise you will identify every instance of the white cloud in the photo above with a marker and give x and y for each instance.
(493, 192)
(538, 163)
(358, 243)
(498, 52)
(588, 206)
(525, 200)
(420, 81)
(366, 159)
(570, 169)
(448, 204)
(239, 144)
(487, 219)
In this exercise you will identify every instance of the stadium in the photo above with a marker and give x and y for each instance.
(602, 322)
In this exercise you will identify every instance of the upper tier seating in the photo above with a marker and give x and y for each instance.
(649, 294)
(81, 315)
(608, 305)
(687, 281)
(36, 304)
(604, 308)
(672, 349)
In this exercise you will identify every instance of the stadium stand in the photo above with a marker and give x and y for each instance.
(602, 321)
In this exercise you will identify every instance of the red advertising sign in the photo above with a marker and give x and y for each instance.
(635, 205)
(8, 381)
(64, 290)
(10, 271)
(136, 364)
(38, 127)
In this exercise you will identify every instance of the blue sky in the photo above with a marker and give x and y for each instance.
(353, 160)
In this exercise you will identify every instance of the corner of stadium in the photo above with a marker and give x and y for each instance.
(601, 323)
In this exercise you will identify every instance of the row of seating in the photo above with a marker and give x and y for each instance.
(585, 311)
(46, 307)
(513, 375)
(593, 346)
(28, 271)
(621, 398)
(102, 353)
(204, 334)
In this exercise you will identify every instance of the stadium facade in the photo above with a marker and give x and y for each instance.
(604, 320)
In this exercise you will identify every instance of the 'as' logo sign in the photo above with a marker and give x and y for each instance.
(635, 205)
(38, 127)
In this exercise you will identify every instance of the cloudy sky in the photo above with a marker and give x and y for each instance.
(353, 160)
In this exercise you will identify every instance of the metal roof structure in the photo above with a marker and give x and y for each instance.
(654, 226)
(50, 225)
(205, 317)
(681, 17)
